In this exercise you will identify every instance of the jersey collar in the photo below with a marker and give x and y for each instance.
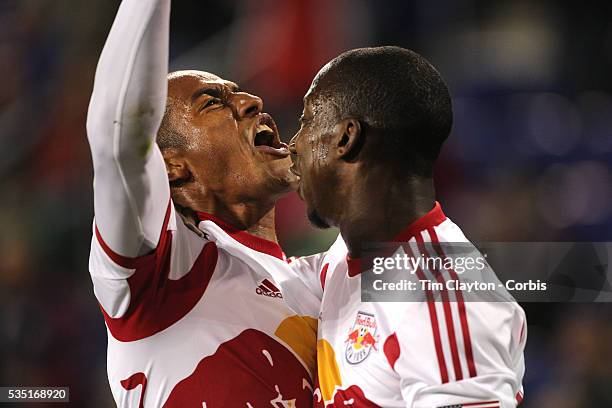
(254, 242)
(433, 218)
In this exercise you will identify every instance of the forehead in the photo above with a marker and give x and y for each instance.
(312, 97)
(316, 101)
(182, 84)
(316, 86)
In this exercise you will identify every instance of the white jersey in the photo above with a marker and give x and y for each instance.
(214, 322)
(220, 321)
(415, 354)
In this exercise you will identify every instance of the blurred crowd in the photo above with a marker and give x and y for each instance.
(529, 158)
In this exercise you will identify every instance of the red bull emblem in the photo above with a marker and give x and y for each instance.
(362, 338)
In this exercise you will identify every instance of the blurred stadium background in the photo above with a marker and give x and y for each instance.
(529, 158)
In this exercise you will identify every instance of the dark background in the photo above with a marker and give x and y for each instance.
(529, 158)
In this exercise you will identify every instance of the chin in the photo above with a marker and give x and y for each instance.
(280, 184)
(284, 180)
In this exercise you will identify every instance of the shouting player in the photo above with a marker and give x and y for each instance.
(374, 121)
(214, 319)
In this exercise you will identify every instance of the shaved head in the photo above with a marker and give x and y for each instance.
(397, 95)
(192, 73)
(218, 144)
(172, 131)
(373, 124)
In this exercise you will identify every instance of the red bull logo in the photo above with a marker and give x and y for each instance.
(251, 370)
(362, 338)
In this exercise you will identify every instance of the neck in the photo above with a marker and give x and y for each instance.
(382, 203)
(253, 216)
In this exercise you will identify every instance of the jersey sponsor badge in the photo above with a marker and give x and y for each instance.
(267, 288)
(361, 338)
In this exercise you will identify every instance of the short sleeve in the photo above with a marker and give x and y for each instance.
(452, 353)
(311, 270)
(482, 391)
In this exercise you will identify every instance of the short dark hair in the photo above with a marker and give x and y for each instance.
(398, 94)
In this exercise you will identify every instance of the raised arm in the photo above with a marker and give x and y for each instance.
(131, 192)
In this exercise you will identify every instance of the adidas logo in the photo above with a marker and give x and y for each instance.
(267, 288)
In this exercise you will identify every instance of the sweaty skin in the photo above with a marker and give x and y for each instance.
(368, 199)
(364, 170)
(219, 170)
(180, 309)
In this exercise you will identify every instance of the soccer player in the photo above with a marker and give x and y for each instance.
(214, 319)
(373, 123)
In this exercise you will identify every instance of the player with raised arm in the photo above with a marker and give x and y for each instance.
(373, 124)
(213, 319)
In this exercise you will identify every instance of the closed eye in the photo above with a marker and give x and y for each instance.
(210, 102)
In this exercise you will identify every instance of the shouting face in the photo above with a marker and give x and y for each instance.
(217, 139)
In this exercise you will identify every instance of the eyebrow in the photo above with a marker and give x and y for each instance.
(214, 92)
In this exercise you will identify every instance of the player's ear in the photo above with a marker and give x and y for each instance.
(176, 167)
(349, 137)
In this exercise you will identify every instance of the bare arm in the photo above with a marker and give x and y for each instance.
(131, 192)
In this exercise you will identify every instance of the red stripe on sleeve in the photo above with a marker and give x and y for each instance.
(435, 327)
(467, 341)
(448, 315)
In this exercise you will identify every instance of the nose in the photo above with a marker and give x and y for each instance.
(247, 105)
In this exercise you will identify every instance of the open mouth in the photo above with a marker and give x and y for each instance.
(266, 138)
